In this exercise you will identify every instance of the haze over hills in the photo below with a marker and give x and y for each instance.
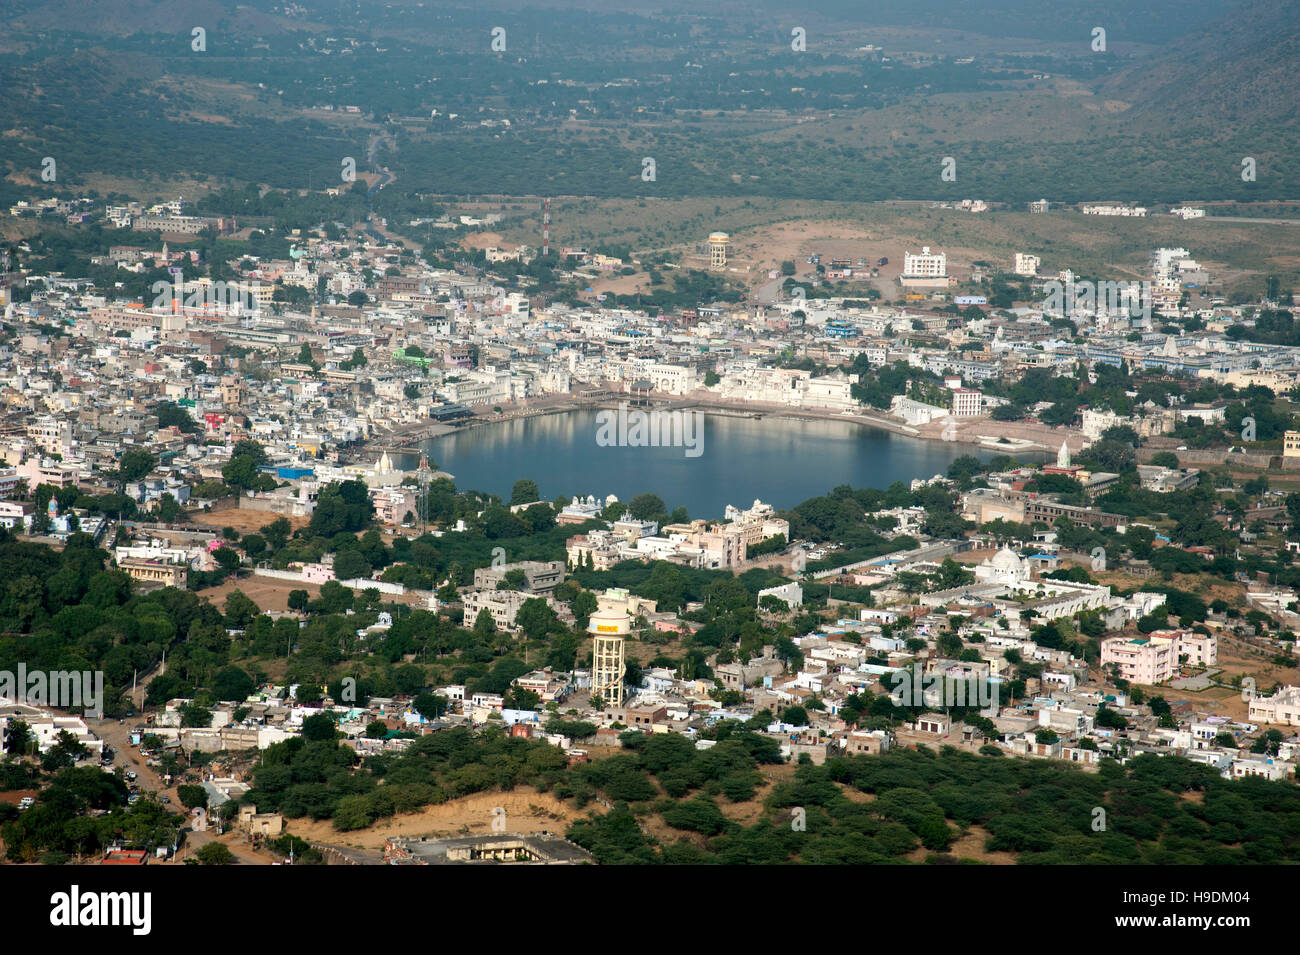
(1012, 90)
(1236, 71)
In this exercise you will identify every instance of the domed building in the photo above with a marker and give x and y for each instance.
(1006, 566)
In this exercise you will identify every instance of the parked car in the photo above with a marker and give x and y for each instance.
(26, 802)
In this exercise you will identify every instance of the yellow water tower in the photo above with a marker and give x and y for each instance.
(608, 629)
(718, 249)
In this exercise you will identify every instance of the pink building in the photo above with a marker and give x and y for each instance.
(1146, 660)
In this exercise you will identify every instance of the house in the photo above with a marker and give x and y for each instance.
(935, 723)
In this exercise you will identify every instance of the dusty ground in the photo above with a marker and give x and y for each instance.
(482, 240)
(970, 846)
(267, 592)
(241, 519)
(526, 811)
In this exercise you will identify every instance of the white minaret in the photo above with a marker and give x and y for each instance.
(1063, 456)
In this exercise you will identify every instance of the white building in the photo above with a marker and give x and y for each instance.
(791, 593)
(1127, 211)
(1026, 264)
(925, 265)
(1282, 707)
(966, 402)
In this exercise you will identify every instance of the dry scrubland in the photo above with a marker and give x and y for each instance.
(766, 232)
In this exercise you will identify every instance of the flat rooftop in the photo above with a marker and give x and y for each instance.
(535, 848)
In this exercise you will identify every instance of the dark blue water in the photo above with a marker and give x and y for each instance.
(782, 461)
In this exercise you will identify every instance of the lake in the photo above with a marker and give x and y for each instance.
(782, 461)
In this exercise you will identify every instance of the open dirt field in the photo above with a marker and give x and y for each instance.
(241, 519)
(526, 811)
(267, 592)
(482, 240)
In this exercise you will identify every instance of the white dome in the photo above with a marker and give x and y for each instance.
(1006, 560)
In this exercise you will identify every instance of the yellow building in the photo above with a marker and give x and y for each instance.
(154, 572)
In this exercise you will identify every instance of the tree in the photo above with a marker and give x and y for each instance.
(934, 833)
(519, 699)
(536, 618)
(174, 416)
(342, 506)
(788, 653)
(254, 545)
(66, 751)
(233, 684)
(318, 727)
(277, 533)
(430, 705)
(17, 737)
(583, 605)
(646, 507)
(298, 600)
(227, 558)
(484, 625)
(351, 565)
(524, 492)
(513, 579)
(214, 853)
(795, 716)
(135, 464)
(192, 796)
(240, 610)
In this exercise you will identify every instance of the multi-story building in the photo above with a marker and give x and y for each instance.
(926, 268)
(503, 605)
(1026, 264)
(1147, 660)
(966, 402)
(540, 577)
(602, 548)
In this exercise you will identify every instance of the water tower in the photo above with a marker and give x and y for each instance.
(718, 249)
(609, 630)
